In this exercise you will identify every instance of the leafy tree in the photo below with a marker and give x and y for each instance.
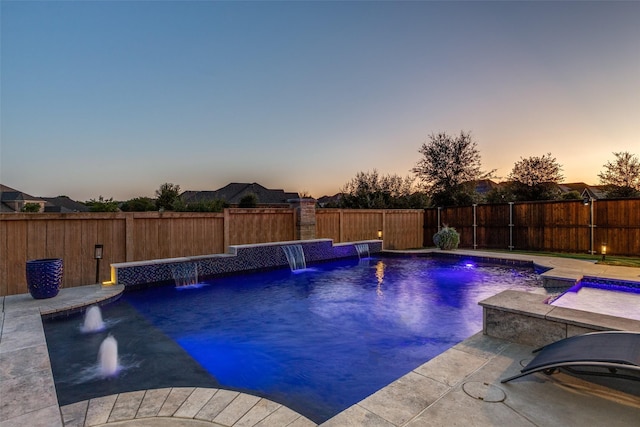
(500, 194)
(139, 204)
(102, 205)
(571, 195)
(167, 196)
(449, 169)
(369, 190)
(31, 207)
(249, 200)
(622, 177)
(536, 178)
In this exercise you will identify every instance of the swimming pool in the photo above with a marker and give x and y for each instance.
(317, 340)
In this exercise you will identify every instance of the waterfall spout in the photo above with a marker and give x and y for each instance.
(295, 256)
(185, 273)
(363, 250)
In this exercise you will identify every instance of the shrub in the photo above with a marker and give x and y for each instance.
(249, 200)
(447, 238)
(31, 207)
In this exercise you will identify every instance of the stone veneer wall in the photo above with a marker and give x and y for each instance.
(241, 258)
(525, 318)
(305, 218)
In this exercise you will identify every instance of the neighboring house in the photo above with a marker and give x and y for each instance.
(586, 191)
(331, 201)
(234, 192)
(12, 200)
(483, 186)
(594, 192)
(63, 204)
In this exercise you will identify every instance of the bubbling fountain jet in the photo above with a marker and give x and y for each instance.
(108, 357)
(93, 320)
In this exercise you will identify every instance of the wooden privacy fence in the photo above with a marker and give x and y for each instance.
(556, 226)
(563, 226)
(401, 228)
(138, 236)
(126, 237)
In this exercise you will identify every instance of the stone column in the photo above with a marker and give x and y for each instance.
(305, 213)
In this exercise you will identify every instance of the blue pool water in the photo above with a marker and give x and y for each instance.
(317, 341)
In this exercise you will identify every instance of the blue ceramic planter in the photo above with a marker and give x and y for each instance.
(44, 277)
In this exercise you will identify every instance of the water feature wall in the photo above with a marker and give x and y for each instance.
(240, 258)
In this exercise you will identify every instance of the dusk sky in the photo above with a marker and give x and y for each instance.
(115, 98)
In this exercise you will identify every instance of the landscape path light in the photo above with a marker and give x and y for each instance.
(97, 254)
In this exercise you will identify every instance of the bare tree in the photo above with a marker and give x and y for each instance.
(449, 169)
(622, 177)
(536, 178)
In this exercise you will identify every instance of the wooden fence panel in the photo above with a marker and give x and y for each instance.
(491, 232)
(460, 218)
(17, 256)
(430, 226)
(72, 251)
(361, 224)
(249, 226)
(177, 235)
(328, 224)
(403, 229)
(618, 225)
(559, 226)
(36, 235)
(4, 259)
(146, 235)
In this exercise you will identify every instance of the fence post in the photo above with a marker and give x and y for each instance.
(129, 241)
(592, 224)
(384, 227)
(439, 209)
(305, 212)
(511, 226)
(475, 227)
(226, 232)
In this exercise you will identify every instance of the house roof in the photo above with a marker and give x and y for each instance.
(595, 191)
(10, 195)
(234, 192)
(485, 185)
(63, 204)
